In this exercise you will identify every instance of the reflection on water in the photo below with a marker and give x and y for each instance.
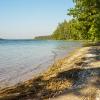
(21, 59)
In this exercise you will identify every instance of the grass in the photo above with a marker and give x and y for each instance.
(91, 43)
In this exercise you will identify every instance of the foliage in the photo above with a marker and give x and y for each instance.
(43, 37)
(85, 23)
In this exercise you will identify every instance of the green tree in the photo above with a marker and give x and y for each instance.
(87, 14)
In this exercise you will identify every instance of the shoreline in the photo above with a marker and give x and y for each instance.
(54, 81)
(57, 60)
(33, 68)
(24, 66)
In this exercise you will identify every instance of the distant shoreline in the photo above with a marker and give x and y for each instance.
(1, 39)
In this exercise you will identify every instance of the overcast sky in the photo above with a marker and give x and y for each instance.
(29, 18)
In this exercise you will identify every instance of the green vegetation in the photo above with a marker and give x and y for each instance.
(43, 37)
(84, 24)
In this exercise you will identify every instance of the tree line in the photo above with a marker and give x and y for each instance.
(48, 37)
(85, 24)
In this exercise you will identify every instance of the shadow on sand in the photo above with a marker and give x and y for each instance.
(41, 89)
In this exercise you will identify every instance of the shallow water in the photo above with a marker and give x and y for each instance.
(20, 60)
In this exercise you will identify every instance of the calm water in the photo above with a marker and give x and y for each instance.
(20, 60)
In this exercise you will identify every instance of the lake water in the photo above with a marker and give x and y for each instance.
(20, 60)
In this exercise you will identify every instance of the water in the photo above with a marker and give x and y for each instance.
(20, 60)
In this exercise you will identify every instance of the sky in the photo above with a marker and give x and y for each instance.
(30, 18)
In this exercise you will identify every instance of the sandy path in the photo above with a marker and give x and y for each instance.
(89, 81)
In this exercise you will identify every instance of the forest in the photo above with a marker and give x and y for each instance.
(85, 24)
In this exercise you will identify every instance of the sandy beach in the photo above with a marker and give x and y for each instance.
(76, 76)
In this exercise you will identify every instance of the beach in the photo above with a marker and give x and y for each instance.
(21, 60)
(75, 76)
